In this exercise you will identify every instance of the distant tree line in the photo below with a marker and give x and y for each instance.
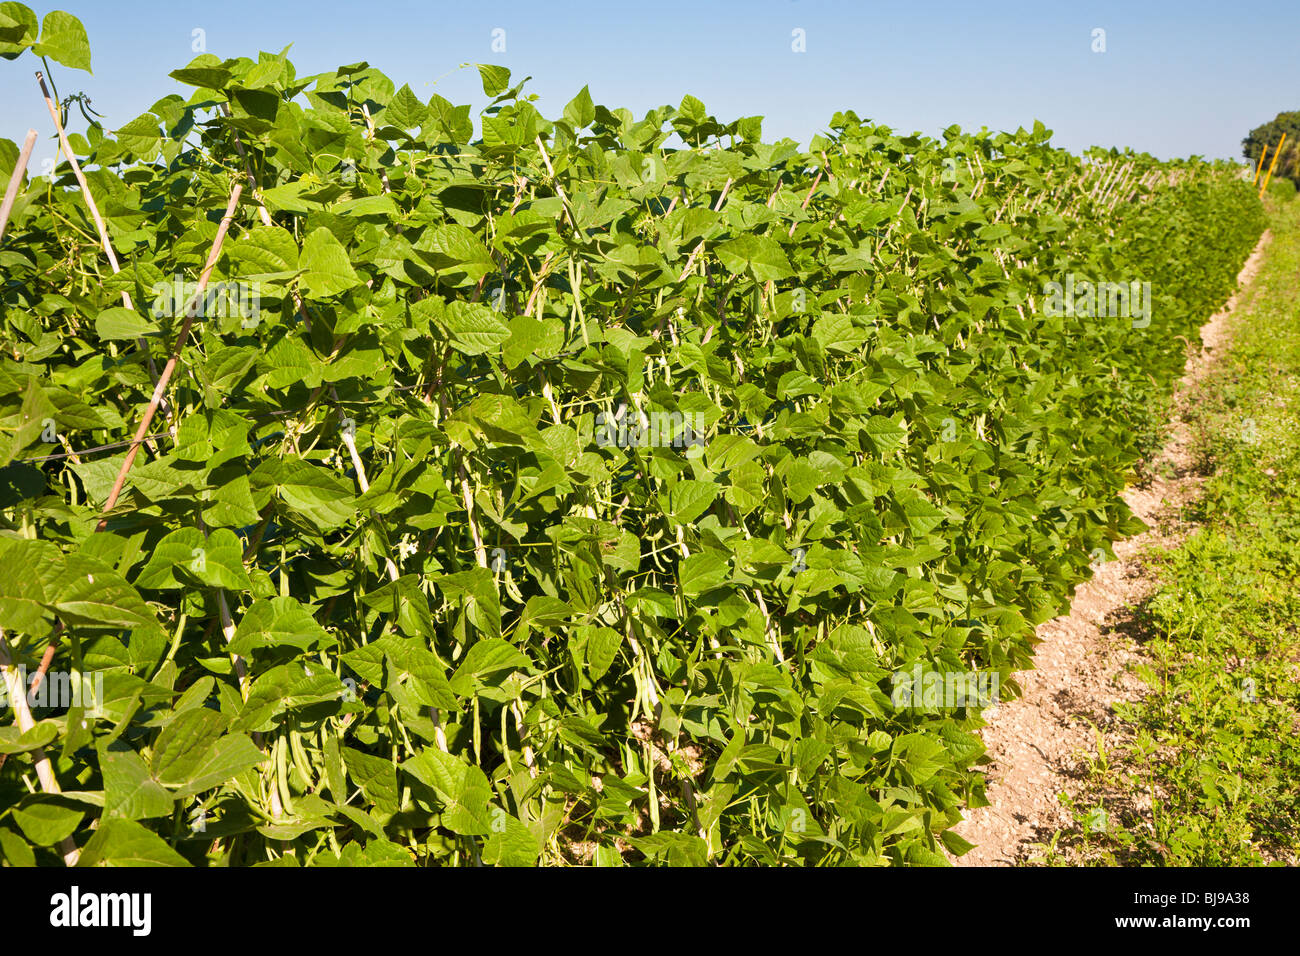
(1288, 165)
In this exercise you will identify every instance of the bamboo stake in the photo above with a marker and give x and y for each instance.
(690, 260)
(1112, 171)
(1260, 165)
(23, 714)
(559, 190)
(370, 125)
(190, 311)
(1113, 193)
(1271, 166)
(1114, 184)
(99, 225)
(16, 179)
(248, 169)
(107, 246)
(76, 171)
(807, 198)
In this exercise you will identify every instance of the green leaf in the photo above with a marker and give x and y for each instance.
(759, 256)
(702, 572)
(456, 248)
(25, 588)
(922, 517)
(121, 842)
(475, 329)
(837, 333)
(45, 823)
(15, 849)
(215, 561)
(378, 208)
(463, 788)
(603, 645)
(260, 104)
(129, 789)
(286, 687)
(19, 29)
(580, 111)
(511, 842)
(13, 741)
(266, 252)
(692, 108)
(404, 110)
(227, 758)
(885, 434)
(311, 491)
(327, 268)
(183, 742)
(496, 79)
(428, 672)
(193, 754)
(89, 593)
(957, 844)
(485, 658)
(544, 611)
(205, 70)
(690, 499)
(64, 40)
(279, 622)
(121, 323)
(140, 136)
(376, 777)
(532, 339)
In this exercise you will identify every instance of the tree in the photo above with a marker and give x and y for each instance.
(1268, 135)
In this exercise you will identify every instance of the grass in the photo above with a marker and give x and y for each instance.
(1211, 776)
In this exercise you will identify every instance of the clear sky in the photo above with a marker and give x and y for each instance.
(1177, 76)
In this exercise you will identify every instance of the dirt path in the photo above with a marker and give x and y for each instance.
(1040, 744)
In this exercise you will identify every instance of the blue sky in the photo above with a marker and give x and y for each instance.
(1176, 78)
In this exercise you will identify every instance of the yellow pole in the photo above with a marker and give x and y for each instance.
(1271, 166)
(1260, 165)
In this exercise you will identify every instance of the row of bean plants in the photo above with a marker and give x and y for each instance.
(567, 491)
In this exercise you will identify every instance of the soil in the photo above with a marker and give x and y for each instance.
(1041, 743)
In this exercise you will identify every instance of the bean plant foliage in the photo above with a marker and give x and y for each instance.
(491, 636)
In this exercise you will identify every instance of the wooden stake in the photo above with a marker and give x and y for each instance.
(76, 171)
(190, 310)
(44, 770)
(99, 225)
(248, 169)
(16, 180)
(1260, 165)
(1271, 166)
(807, 198)
(559, 190)
(690, 260)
